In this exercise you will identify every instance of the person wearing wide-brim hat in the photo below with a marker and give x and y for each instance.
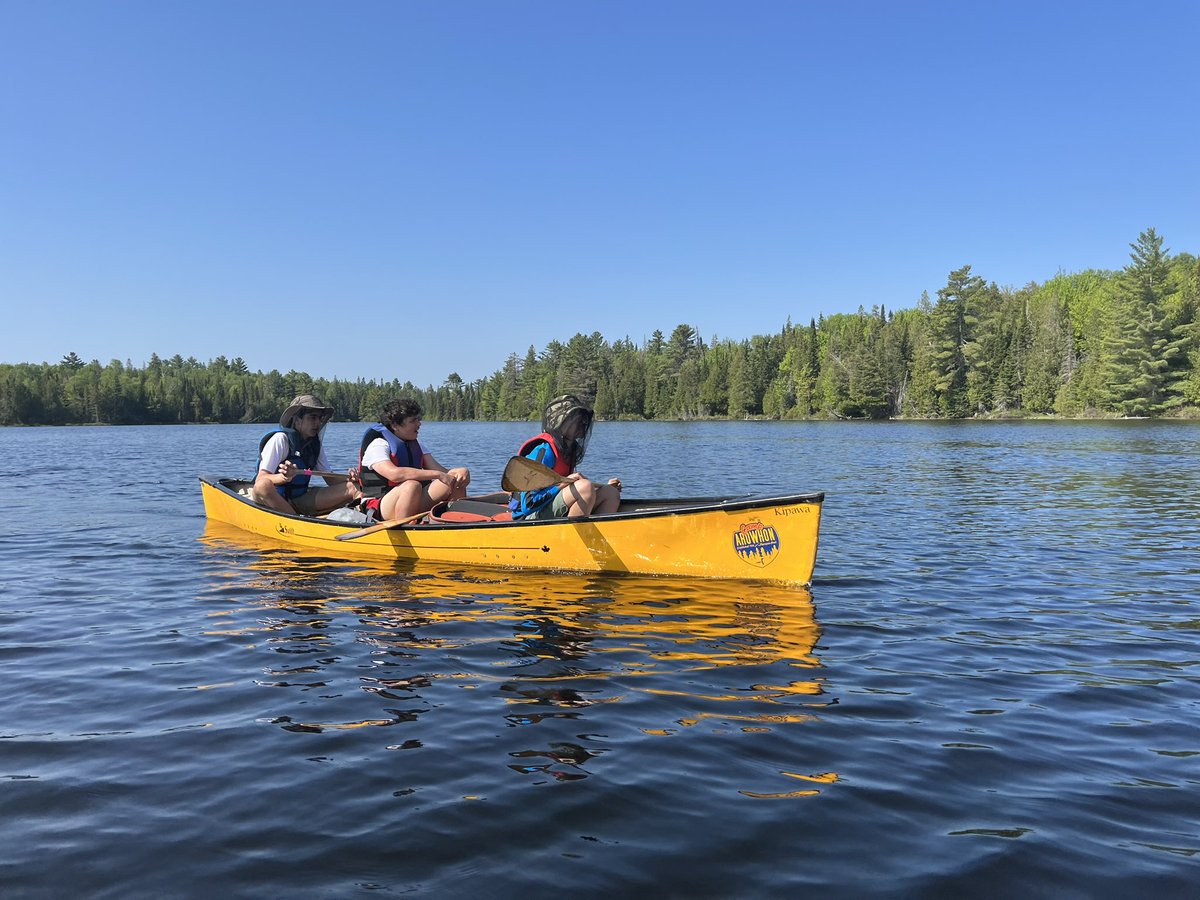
(288, 454)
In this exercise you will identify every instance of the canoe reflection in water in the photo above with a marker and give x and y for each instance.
(582, 664)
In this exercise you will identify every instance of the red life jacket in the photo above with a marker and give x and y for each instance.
(525, 502)
(561, 466)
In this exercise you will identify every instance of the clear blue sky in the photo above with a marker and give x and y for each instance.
(406, 189)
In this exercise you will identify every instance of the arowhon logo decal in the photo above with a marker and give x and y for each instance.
(756, 543)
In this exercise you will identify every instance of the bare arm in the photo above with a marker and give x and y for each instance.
(458, 477)
(392, 472)
(287, 471)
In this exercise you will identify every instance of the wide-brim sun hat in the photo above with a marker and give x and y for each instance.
(305, 401)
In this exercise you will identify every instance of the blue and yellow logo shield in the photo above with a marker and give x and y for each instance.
(756, 543)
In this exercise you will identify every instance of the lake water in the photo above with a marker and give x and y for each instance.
(991, 691)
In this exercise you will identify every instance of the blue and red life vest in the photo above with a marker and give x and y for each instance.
(303, 456)
(402, 453)
(525, 502)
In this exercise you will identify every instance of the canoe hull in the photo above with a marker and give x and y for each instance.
(768, 539)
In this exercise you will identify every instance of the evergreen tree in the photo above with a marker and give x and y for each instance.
(714, 391)
(1142, 342)
(806, 389)
(952, 323)
(657, 400)
(740, 400)
(917, 396)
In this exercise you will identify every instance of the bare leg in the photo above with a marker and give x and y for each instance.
(334, 496)
(608, 498)
(401, 501)
(438, 491)
(266, 495)
(581, 497)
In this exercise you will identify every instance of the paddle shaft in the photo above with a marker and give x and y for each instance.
(337, 476)
(382, 526)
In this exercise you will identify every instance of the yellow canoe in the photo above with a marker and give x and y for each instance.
(758, 538)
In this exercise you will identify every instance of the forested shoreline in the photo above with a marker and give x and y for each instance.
(1092, 344)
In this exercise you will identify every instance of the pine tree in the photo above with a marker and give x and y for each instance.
(952, 324)
(1142, 343)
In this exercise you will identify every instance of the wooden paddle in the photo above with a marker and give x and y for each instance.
(336, 476)
(382, 526)
(523, 474)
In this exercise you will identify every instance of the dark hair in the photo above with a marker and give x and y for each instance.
(396, 411)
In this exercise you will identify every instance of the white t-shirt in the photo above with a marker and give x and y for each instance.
(377, 451)
(275, 451)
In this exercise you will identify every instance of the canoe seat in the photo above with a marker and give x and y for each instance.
(470, 511)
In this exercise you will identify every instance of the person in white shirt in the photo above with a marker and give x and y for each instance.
(398, 475)
(287, 456)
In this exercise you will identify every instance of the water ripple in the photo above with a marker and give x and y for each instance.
(990, 690)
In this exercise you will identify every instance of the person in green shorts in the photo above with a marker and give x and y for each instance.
(566, 430)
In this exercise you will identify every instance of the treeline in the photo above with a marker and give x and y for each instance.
(1096, 343)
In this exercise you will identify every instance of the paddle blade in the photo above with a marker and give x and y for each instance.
(522, 474)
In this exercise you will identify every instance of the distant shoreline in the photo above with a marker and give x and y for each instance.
(1189, 415)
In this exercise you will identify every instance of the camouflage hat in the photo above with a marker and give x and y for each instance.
(554, 420)
(558, 409)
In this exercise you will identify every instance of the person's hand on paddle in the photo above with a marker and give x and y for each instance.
(288, 470)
